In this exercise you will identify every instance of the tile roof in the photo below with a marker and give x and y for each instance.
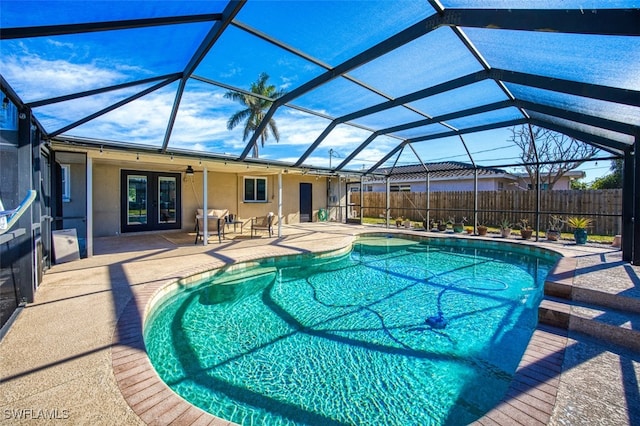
(436, 170)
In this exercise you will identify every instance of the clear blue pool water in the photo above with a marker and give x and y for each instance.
(397, 332)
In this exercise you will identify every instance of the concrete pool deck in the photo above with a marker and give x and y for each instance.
(75, 354)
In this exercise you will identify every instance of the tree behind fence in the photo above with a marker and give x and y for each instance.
(493, 206)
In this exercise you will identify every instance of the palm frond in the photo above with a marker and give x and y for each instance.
(255, 110)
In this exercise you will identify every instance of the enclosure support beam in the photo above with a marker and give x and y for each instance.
(628, 181)
(89, 206)
(387, 201)
(361, 198)
(537, 158)
(538, 202)
(475, 200)
(636, 203)
(280, 204)
(205, 210)
(428, 191)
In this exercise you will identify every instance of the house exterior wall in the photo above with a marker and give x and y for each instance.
(436, 185)
(106, 200)
(484, 184)
(224, 190)
(564, 183)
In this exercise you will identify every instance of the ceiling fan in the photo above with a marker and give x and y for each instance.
(189, 171)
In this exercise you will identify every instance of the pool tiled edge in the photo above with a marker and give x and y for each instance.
(530, 399)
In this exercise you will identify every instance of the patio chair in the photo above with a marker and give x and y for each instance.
(216, 219)
(262, 223)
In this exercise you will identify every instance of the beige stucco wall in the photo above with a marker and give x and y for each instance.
(224, 191)
(106, 200)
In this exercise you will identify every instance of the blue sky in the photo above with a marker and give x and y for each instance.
(331, 32)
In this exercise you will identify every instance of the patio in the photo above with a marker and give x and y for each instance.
(60, 354)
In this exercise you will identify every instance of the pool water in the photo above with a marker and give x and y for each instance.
(397, 332)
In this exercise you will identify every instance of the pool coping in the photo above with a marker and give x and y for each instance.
(530, 398)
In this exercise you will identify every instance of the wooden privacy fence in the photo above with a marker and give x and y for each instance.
(604, 207)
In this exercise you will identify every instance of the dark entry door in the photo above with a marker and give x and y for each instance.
(149, 201)
(305, 202)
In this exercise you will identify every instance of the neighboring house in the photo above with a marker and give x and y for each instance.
(456, 176)
(563, 183)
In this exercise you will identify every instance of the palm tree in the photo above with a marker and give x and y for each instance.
(254, 111)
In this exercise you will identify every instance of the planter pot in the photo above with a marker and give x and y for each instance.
(505, 232)
(407, 224)
(553, 235)
(458, 227)
(482, 230)
(526, 233)
(398, 223)
(442, 227)
(580, 235)
(427, 226)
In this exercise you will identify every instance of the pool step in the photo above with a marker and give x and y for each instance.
(603, 323)
(559, 283)
(606, 316)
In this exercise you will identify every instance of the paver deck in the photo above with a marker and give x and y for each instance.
(76, 354)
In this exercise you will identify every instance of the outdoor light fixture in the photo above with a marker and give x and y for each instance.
(189, 171)
(5, 103)
(101, 150)
(137, 156)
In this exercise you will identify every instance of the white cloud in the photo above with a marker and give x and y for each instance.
(201, 123)
(36, 78)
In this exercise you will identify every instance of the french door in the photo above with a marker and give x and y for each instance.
(306, 209)
(149, 201)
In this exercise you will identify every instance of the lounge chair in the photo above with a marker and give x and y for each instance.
(216, 219)
(262, 223)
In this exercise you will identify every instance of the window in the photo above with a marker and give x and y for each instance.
(400, 188)
(65, 175)
(255, 190)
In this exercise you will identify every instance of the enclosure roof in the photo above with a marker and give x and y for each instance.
(357, 85)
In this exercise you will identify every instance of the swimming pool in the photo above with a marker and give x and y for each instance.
(396, 331)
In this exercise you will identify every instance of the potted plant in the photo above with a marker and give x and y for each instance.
(555, 226)
(398, 220)
(458, 227)
(579, 225)
(482, 229)
(442, 225)
(505, 228)
(525, 230)
(469, 230)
